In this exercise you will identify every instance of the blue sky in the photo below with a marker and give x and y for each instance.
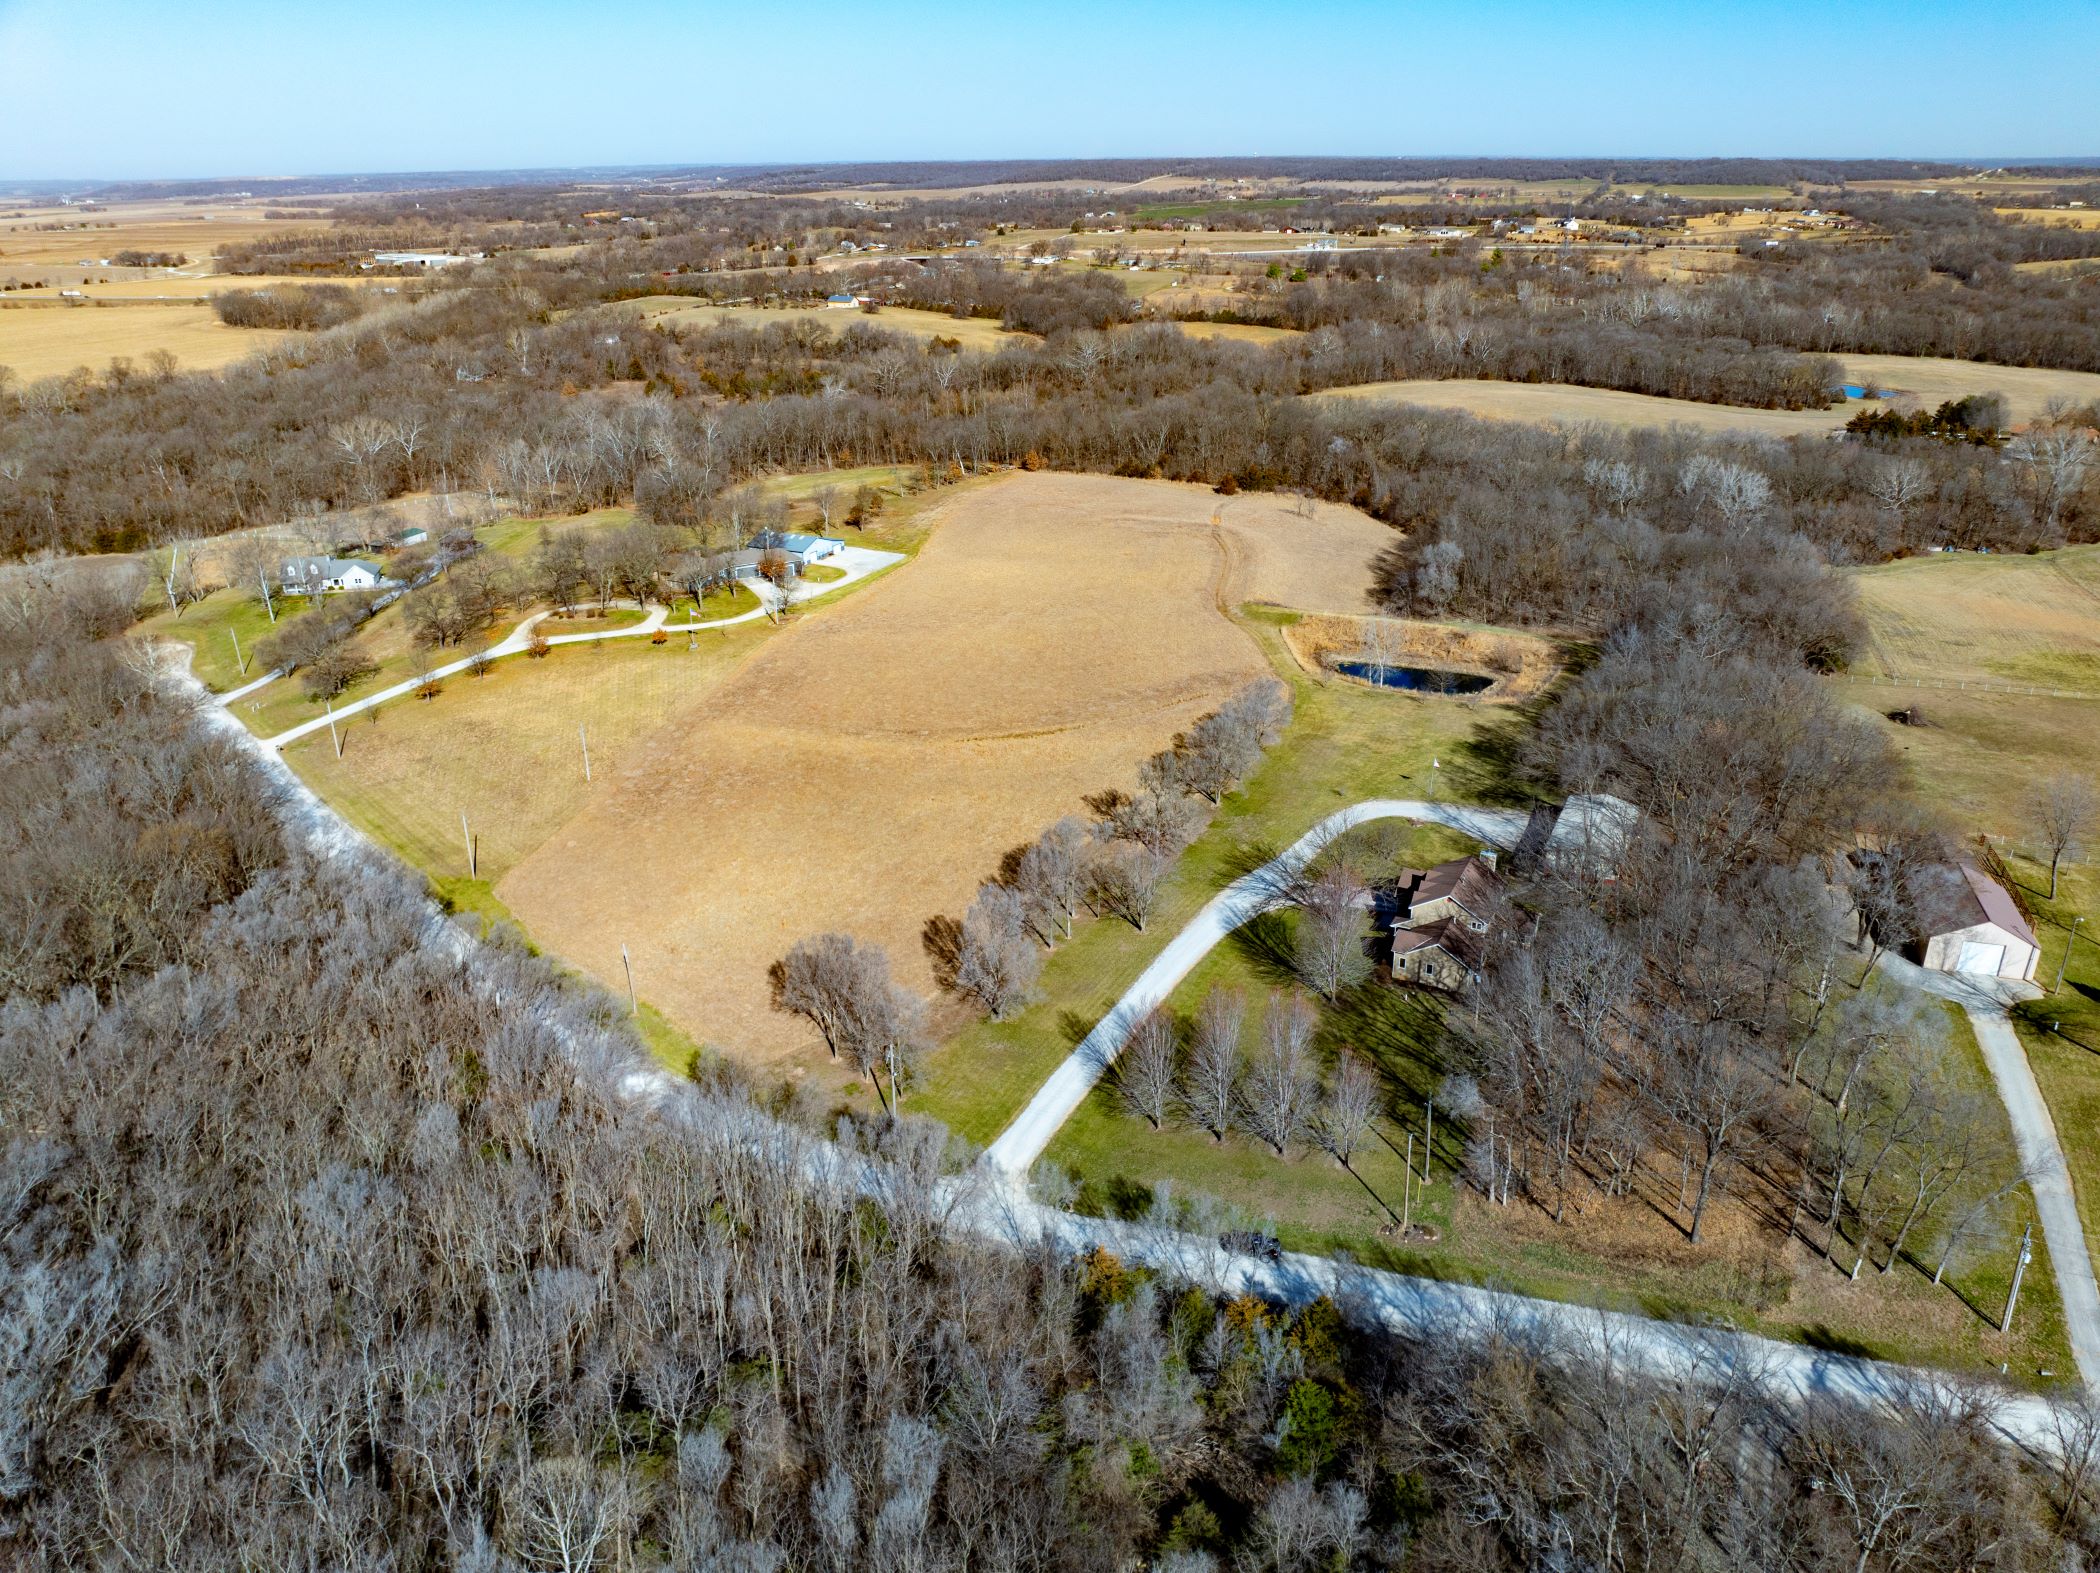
(126, 89)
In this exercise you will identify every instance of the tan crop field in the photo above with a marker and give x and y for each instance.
(2027, 620)
(871, 763)
(189, 284)
(47, 341)
(70, 243)
(1557, 403)
(975, 333)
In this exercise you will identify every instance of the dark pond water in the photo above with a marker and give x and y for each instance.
(1419, 679)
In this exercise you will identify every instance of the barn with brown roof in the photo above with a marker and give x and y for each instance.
(1967, 922)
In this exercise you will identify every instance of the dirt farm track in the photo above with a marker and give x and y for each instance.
(867, 768)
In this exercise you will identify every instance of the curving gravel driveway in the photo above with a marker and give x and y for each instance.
(1022, 1142)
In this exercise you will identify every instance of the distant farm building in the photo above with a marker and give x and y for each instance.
(847, 301)
(423, 259)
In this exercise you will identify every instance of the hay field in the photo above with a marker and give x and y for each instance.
(1240, 332)
(503, 748)
(2032, 620)
(2027, 389)
(1555, 403)
(191, 284)
(46, 341)
(2055, 218)
(28, 245)
(869, 766)
(976, 333)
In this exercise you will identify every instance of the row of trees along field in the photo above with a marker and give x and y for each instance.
(325, 1245)
(474, 389)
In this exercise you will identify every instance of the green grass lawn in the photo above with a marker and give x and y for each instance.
(211, 626)
(718, 604)
(2061, 1033)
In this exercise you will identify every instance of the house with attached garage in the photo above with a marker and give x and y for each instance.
(322, 575)
(1441, 919)
(1966, 922)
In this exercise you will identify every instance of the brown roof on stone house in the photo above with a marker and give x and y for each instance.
(1468, 881)
(1455, 939)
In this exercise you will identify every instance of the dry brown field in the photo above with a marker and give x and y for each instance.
(2055, 218)
(976, 333)
(2027, 389)
(186, 285)
(46, 340)
(1554, 403)
(1240, 332)
(872, 762)
(67, 255)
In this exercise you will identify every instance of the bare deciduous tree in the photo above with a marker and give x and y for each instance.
(2060, 814)
(1146, 1069)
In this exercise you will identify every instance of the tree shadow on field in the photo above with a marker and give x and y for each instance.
(942, 940)
(1486, 767)
(1073, 1027)
(1245, 857)
(1264, 942)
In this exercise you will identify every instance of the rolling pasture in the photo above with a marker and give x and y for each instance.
(1989, 620)
(871, 763)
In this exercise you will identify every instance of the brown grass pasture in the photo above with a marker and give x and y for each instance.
(190, 284)
(1239, 332)
(872, 763)
(2027, 389)
(47, 341)
(1556, 403)
(1997, 620)
(503, 748)
(68, 244)
(975, 333)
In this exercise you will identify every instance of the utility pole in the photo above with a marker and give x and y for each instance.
(586, 742)
(262, 578)
(633, 1009)
(240, 661)
(2069, 941)
(1435, 765)
(2019, 1271)
(473, 852)
(336, 737)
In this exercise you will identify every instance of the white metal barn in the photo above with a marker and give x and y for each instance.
(1967, 922)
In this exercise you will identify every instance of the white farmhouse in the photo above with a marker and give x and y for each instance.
(308, 575)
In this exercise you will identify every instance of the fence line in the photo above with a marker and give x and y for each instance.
(1979, 686)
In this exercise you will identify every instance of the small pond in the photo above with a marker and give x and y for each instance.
(1418, 679)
